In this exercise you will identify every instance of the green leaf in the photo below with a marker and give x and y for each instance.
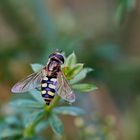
(71, 60)
(41, 126)
(123, 8)
(75, 70)
(12, 120)
(36, 67)
(6, 133)
(27, 104)
(56, 124)
(84, 87)
(81, 75)
(120, 14)
(66, 70)
(32, 118)
(37, 95)
(69, 110)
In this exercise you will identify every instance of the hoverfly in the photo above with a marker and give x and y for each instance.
(51, 78)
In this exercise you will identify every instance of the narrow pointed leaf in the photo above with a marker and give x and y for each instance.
(81, 75)
(32, 118)
(27, 104)
(56, 124)
(36, 67)
(69, 110)
(41, 126)
(71, 60)
(75, 70)
(66, 71)
(7, 133)
(30, 122)
(12, 120)
(84, 87)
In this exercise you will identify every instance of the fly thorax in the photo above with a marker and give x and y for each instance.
(53, 68)
(53, 65)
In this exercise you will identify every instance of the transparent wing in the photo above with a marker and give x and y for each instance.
(63, 88)
(30, 82)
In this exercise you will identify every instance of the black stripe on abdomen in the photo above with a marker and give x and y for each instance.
(47, 89)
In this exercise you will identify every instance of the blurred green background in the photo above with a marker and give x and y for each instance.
(104, 34)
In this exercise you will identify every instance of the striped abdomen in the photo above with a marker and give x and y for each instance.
(48, 86)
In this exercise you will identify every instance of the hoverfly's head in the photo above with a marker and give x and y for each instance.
(57, 56)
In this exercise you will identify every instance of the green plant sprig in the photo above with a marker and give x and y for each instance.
(37, 115)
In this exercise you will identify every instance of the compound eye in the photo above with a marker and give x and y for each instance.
(62, 59)
(51, 55)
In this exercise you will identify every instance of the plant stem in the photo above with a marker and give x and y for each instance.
(29, 131)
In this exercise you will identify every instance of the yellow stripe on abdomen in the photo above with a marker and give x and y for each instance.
(50, 93)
